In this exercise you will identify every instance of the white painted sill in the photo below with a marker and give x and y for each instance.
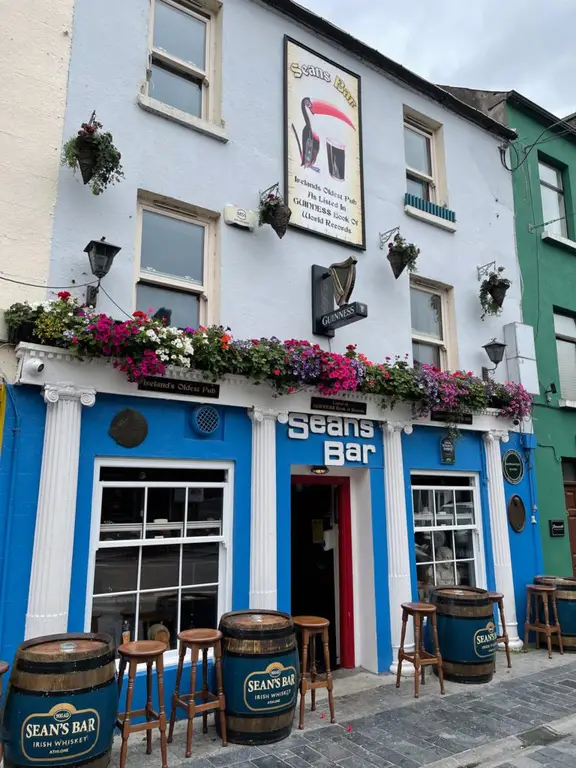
(429, 218)
(566, 403)
(182, 118)
(563, 242)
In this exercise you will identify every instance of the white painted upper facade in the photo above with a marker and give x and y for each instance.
(35, 41)
(257, 284)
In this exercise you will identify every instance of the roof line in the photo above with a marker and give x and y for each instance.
(388, 66)
(560, 124)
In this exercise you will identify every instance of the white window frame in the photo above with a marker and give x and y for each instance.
(447, 344)
(209, 12)
(209, 290)
(570, 340)
(225, 560)
(562, 221)
(477, 528)
(412, 125)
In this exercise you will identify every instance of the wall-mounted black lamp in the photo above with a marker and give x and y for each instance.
(320, 469)
(101, 255)
(550, 391)
(495, 351)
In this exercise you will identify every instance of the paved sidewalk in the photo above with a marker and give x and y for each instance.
(524, 718)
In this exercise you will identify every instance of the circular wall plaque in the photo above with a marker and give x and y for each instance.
(516, 514)
(513, 467)
(129, 428)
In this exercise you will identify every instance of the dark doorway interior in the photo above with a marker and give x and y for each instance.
(314, 514)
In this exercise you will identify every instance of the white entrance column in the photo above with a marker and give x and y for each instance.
(499, 531)
(263, 540)
(49, 592)
(399, 581)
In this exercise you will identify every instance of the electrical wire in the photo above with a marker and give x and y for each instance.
(47, 287)
(105, 292)
(528, 149)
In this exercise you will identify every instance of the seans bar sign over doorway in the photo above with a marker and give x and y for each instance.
(356, 449)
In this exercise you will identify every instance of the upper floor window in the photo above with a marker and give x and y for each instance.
(182, 62)
(553, 202)
(430, 309)
(176, 274)
(565, 330)
(419, 154)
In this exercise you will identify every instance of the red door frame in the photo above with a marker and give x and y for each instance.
(347, 658)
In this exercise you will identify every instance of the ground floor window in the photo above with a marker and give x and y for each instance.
(446, 531)
(159, 549)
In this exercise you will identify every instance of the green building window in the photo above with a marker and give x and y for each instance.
(565, 329)
(553, 204)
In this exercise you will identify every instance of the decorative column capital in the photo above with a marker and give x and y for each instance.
(495, 436)
(389, 427)
(53, 393)
(268, 414)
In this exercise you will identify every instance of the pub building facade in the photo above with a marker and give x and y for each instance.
(169, 503)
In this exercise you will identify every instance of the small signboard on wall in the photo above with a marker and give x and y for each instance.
(447, 451)
(557, 528)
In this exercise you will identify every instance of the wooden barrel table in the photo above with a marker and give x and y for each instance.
(61, 702)
(260, 672)
(566, 604)
(467, 634)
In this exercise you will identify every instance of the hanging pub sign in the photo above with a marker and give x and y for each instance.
(447, 451)
(513, 467)
(323, 146)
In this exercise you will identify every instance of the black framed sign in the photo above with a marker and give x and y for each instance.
(323, 146)
(447, 451)
(513, 467)
(557, 528)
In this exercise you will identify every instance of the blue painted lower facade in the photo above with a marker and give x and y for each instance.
(358, 454)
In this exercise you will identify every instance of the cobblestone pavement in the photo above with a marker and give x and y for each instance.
(525, 718)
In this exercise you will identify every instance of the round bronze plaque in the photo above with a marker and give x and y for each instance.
(129, 428)
(516, 514)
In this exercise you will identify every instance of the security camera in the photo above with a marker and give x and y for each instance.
(34, 367)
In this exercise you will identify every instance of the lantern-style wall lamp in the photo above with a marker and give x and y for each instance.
(101, 255)
(495, 351)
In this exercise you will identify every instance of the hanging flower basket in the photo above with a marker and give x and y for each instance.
(93, 151)
(493, 292)
(402, 255)
(86, 156)
(274, 211)
(498, 291)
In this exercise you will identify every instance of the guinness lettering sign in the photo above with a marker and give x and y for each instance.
(350, 313)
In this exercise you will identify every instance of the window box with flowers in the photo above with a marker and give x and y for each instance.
(144, 346)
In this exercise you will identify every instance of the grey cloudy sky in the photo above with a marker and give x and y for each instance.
(525, 45)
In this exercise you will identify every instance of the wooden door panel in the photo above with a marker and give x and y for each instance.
(570, 499)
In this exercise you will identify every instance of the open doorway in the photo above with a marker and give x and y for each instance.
(322, 560)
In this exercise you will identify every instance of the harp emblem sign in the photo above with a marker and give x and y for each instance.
(343, 276)
(330, 285)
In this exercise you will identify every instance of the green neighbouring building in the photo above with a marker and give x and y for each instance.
(543, 160)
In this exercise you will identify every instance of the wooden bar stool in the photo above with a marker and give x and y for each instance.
(498, 599)
(3, 670)
(310, 679)
(199, 640)
(147, 652)
(547, 594)
(419, 657)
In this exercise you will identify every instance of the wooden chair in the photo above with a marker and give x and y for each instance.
(498, 599)
(547, 595)
(310, 679)
(419, 657)
(147, 652)
(199, 641)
